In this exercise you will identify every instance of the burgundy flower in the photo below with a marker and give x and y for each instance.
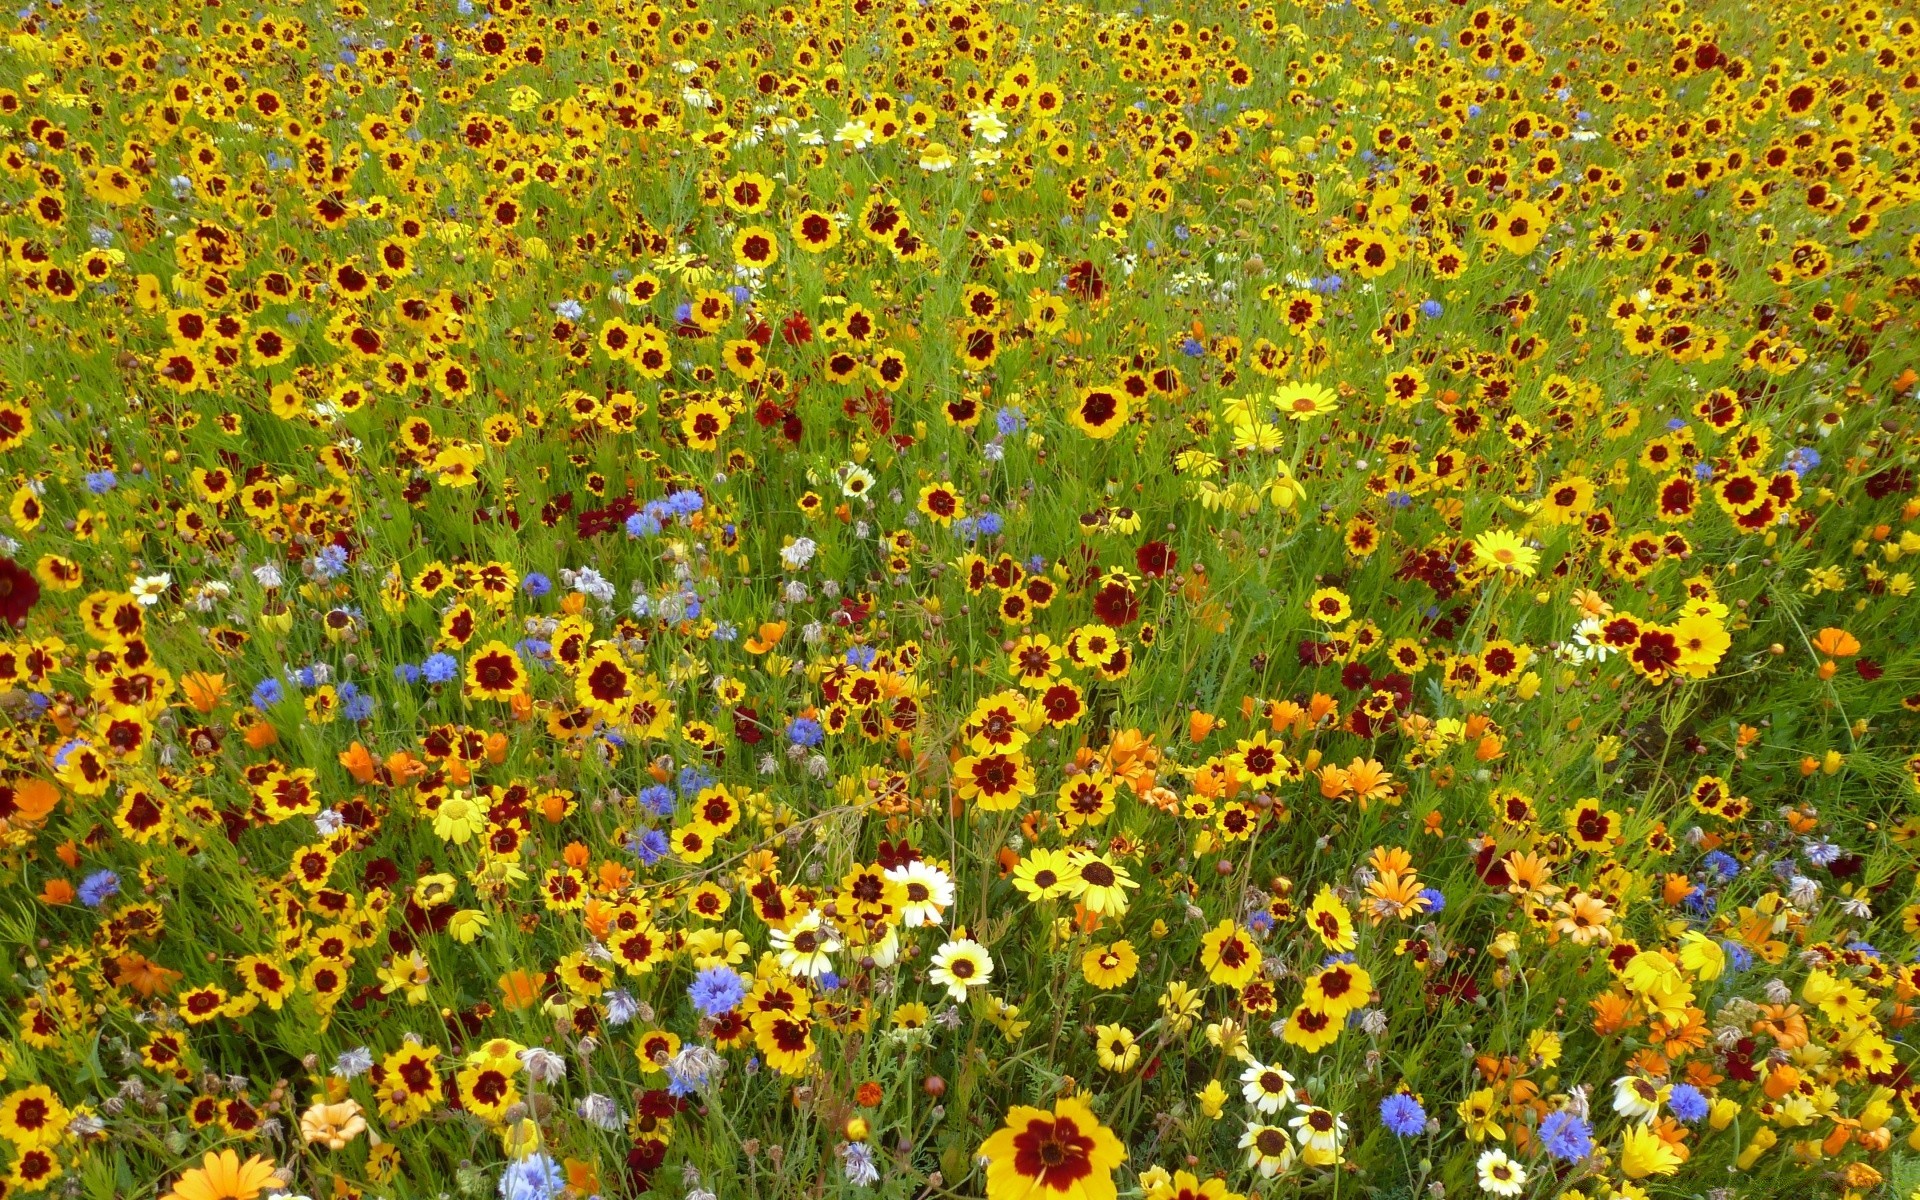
(1155, 559)
(19, 592)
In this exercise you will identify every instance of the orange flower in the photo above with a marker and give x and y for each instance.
(143, 975)
(520, 988)
(223, 1176)
(1836, 643)
(57, 891)
(358, 761)
(204, 690)
(1612, 1012)
(769, 636)
(33, 801)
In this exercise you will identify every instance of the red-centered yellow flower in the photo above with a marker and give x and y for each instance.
(1039, 1155)
(1229, 955)
(1330, 919)
(994, 782)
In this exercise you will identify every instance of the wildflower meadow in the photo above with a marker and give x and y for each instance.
(948, 599)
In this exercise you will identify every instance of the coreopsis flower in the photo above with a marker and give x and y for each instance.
(1065, 1154)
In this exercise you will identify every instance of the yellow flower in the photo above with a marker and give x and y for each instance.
(1502, 550)
(223, 1176)
(466, 925)
(1212, 1098)
(1066, 1153)
(1643, 1152)
(1107, 967)
(460, 819)
(1116, 1048)
(1305, 401)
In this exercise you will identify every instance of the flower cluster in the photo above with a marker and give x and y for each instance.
(947, 597)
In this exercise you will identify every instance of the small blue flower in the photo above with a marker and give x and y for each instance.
(99, 887)
(1436, 900)
(641, 525)
(408, 673)
(1725, 865)
(989, 524)
(267, 693)
(355, 705)
(1402, 1115)
(717, 990)
(1566, 1137)
(1192, 348)
(536, 585)
(102, 482)
(570, 309)
(651, 846)
(535, 1177)
(1739, 958)
(805, 731)
(1431, 309)
(440, 668)
(658, 800)
(1687, 1103)
(330, 562)
(1675, 424)
(692, 780)
(862, 656)
(1009, 421)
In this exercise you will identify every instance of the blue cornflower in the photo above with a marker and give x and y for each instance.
(1725, 865)
(267, 693)
(1430, 309)
(642, 524)
(693, 779)
(535, 1177)
(989, 524)
(658, 800)
(1566, 1137)
(1687, 1103)
(717, 990)
(650, 846)
(686, 502)
(805, 731)
(536, 585)
(570, 309)
(1402, 1115)
(1009, 421)
(330, 562)
(355, 705)
(861, 656)
(440, 667)
(1739, 958)
(101, 482)
(1192, 348)
(407, 673)
(1436, 900)
(621, 1007)
(99, 887)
